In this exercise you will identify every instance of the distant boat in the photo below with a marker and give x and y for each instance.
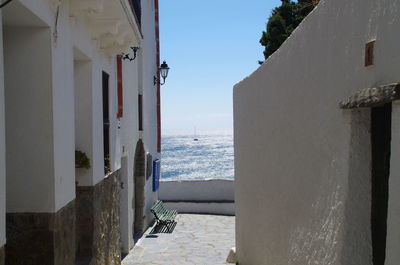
(195, 137)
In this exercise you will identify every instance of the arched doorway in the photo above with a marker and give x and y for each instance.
(139, 179)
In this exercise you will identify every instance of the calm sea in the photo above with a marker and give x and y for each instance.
(209, 157)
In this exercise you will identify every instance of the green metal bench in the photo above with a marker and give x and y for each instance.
(163, 215)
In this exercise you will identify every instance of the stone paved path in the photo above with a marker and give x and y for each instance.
(196, 239)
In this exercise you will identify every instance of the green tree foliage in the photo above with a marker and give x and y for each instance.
(283, 20)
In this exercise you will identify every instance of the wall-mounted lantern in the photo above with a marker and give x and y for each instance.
(163, 72)
(128, 56)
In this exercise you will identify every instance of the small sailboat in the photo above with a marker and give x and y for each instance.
(195, 137)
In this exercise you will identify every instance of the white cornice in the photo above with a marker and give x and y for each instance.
(111, 21)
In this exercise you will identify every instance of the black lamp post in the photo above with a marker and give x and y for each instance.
(163, 72)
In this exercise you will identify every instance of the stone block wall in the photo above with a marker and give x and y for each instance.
(98, 228)
(41, 238)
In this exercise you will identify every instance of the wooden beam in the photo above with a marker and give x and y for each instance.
(372, 97)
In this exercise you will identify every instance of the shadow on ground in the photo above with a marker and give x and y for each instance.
(163, 228)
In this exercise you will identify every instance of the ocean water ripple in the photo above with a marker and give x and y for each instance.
(209, 157)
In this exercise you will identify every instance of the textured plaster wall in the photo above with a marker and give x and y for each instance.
(42, 73)
(302, 165)
(90, 62)
(83, 116)
(2, 148)
(129, 137)
(29, 121)
(63, 110)
(197, 190)
(149, 69)
(90, 140)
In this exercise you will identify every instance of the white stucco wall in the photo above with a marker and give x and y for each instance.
(210, 196)
(29, 121)
(2, 147)
(50, 162)
(90, 130)
(40, 104)
(138, 78)
(302, 165)
(149, 69)
(63, 110)
(49, 78)
(129, 138)
(197, 190)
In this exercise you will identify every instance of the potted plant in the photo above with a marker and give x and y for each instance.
(81, 160)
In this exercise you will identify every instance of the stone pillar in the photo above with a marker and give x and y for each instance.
(97, 230)
(140, 181)
(41, 238)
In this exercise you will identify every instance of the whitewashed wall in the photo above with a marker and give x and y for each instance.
(138, 78)
(2, 147)
(302, 164)
(198, 190)
(90, 131)
(149, 69)
(47, 59)
(29, 120)
(210, 196)
(129, 138)
(63, 110)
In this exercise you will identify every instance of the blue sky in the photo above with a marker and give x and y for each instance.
(210, 45)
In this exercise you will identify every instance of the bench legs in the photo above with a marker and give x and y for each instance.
(163, 223)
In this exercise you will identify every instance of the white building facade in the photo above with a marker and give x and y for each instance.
(317, 142)
(69, 87)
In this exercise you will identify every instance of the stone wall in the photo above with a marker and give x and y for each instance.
(98, 231)
(41, 238)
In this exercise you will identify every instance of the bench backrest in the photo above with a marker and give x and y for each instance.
(157, 208)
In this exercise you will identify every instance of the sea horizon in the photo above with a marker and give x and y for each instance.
(210, 157)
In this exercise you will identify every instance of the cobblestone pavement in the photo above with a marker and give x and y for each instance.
(196, 239)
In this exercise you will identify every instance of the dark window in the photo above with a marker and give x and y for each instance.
(137, 10)
(140, 112)
(369, 53)
(381, 119)
(106, 122)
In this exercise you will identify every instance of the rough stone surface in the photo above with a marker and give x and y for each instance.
(2, 256)
(41, 238)
(195, 240)
(139, 180)
(106, 247)
(98, 231)
(232, 256)
(64, 235)
(84, 221)
(371, 97)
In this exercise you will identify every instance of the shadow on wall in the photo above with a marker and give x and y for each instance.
(139, 179)
(357, 206)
